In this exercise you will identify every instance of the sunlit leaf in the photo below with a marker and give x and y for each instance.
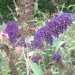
(35, 68)
(6, 71)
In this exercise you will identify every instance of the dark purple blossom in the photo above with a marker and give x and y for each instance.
(37, 43)
(42, 35)
(56, 56)
(36, 58)
(12, 30)
(59, 24)
(14, 34)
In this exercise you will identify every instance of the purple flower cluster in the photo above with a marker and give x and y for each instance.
(59, 24)
(14, 34)
(57, 57)
(42, 35)
(12, 31)
(36, 58)
(20, 41)
(54, 27)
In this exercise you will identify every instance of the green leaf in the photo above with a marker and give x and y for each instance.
(2, 26)
(59, 45)
(35, 68)
(6, 71)
(36, 6)
(73, 22)
(71, 6)
(72, 48)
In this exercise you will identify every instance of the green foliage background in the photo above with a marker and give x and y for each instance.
(6, 14)
(44, 5)
(48, 5)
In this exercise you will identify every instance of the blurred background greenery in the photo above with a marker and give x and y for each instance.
(5, 14)
(50, 6)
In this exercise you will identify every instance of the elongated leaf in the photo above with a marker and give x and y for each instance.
(35, 68)
(71, 6)
(36, 6)
(2, 26)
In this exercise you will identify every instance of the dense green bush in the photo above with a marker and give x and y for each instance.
(6, 14)
(44, 6)
(51, 7)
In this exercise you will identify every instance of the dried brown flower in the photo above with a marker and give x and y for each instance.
(48, 72)
(69, 69)
(25, 10)
(59, 64)
(28, 30)
(72, 53)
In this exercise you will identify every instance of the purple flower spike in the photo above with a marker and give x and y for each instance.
(42, 35)
(54, 27)
(57, 57)
(59, 24)
(12, 31)
(36, 58)
(14, 35)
